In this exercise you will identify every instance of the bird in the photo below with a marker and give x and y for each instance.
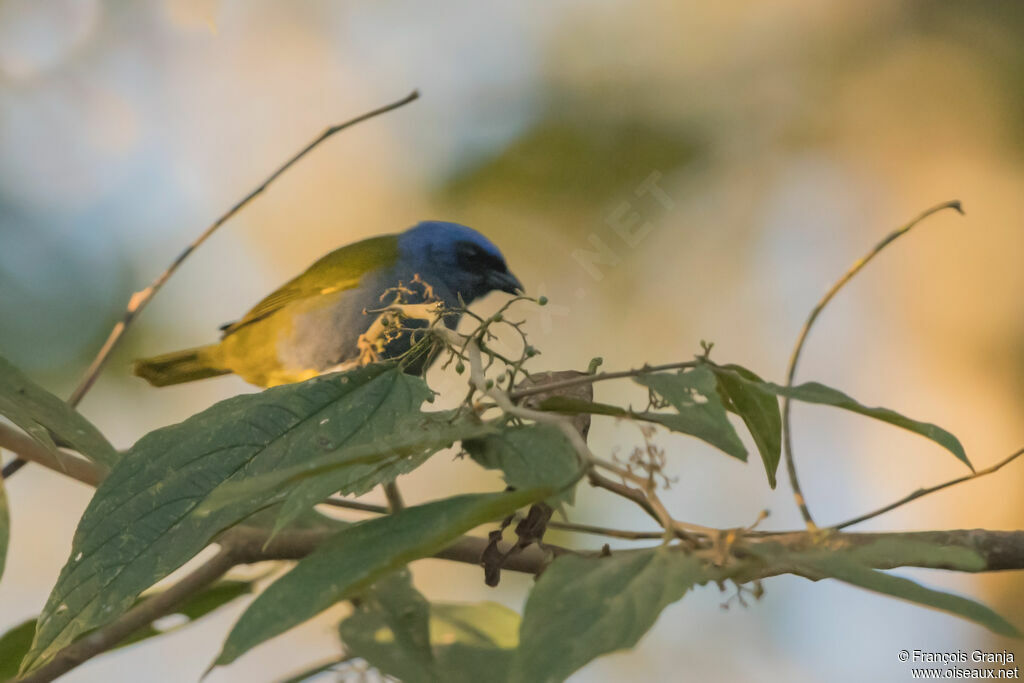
(314, 323)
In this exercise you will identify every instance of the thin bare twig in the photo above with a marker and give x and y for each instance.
(26, 449)
(794, 481)
(394, 496)
(605, 531)
(629, 493)
(356, 505)
(139, 299)
(924, 492)
(598, 377)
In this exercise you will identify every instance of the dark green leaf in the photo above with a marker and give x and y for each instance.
(13, 646)
(814, 392)
(350, 469)
(40, 413)
(140, 525)
(845, 567)
(759, 410)
(582, 608)
(356, 557)
(530, 456)
(694, 394)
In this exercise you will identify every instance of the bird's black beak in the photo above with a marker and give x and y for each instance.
(505, 282)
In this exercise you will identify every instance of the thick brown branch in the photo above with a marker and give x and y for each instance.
(347, 504)
(1000, 550)
(250, 545)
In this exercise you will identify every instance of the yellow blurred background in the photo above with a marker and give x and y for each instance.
(783, 139)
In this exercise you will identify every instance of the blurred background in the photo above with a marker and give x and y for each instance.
(755, 150)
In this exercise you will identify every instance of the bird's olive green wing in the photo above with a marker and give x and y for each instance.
(339, 270)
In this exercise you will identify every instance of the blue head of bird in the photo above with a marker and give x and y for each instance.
(468, 263)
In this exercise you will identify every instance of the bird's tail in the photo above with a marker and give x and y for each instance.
(180, 366)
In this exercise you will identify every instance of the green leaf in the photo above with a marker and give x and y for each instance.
(390, 629)
(13, 646)
(582, 608)
(815, 392)
(40, 413)
(694, 394)
(351, 470)
(356, 557)
(759, 410)
(140, 525)
(467, 643)
(530, 456)
(846, 568)
(407, 615)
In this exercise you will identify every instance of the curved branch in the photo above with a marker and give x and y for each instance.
(139, 299)
(795, 357)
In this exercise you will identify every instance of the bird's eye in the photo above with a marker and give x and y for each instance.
(473, 257)
(467, 251)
